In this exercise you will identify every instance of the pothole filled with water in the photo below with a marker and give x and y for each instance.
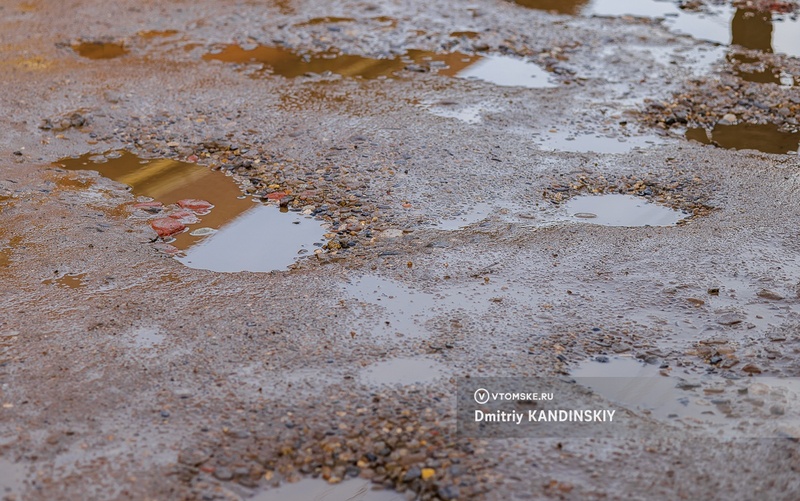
(621, 210)
(403, 371)
(496, 69)
(731, 406)
(99, 50)
(215, 226)
(767, 138)
(723, 24)
(320, 490)
(404, 312)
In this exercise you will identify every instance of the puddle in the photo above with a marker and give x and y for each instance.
(403, 371)
(508, 72)
(404, 311)
(753, 69)
(283, 62)
(71, 280)
(766, 138)
(472, 215)
(320, 490)
(595, 143)
(99, 50)
(236, 235)
(721, 24)
(734, 407)
(621, 210)
(496, 69)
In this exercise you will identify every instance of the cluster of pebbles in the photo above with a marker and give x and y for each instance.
(682, 190)
(387, 438)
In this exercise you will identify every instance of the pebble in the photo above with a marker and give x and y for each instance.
(195, 205)
(768, 294)
(730, 319)
(752, 369)
(391, 233)
(167, 226)
(728, 119)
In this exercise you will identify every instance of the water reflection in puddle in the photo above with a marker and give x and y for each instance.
(319, 490)
(236, 235)
(719, 23)
(508, 72)
(71, 280)
(595, 143)
(405, 311)
(621, 210)
(403, 371)
(496, 69)
(767, 138)
(99, 50)
(734, 407)
(472, 215)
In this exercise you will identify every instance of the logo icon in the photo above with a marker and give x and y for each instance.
(481, 396)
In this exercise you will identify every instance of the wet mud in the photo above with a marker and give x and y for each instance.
(250, 251)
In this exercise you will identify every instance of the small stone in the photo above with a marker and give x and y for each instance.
(730, 319)
(752, 369)
(728, 119)
(276, 195)
(428, 473)
(185, 216)
(696, 302)
(195, 205)
(166, 226)
(449, 492)
(149, 206)
(192, 457)
(391, 233)
(768, 294)
(412, 474)
(223, 473)
(201, 232)
(602, 359)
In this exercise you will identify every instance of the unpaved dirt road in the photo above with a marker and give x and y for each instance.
(449, 250)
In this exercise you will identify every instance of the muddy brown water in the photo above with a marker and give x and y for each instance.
(70, 280)
(236, 235)
(751, 69)
(722, 24)
(768, 138)
(492, 68)
(99, 50)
